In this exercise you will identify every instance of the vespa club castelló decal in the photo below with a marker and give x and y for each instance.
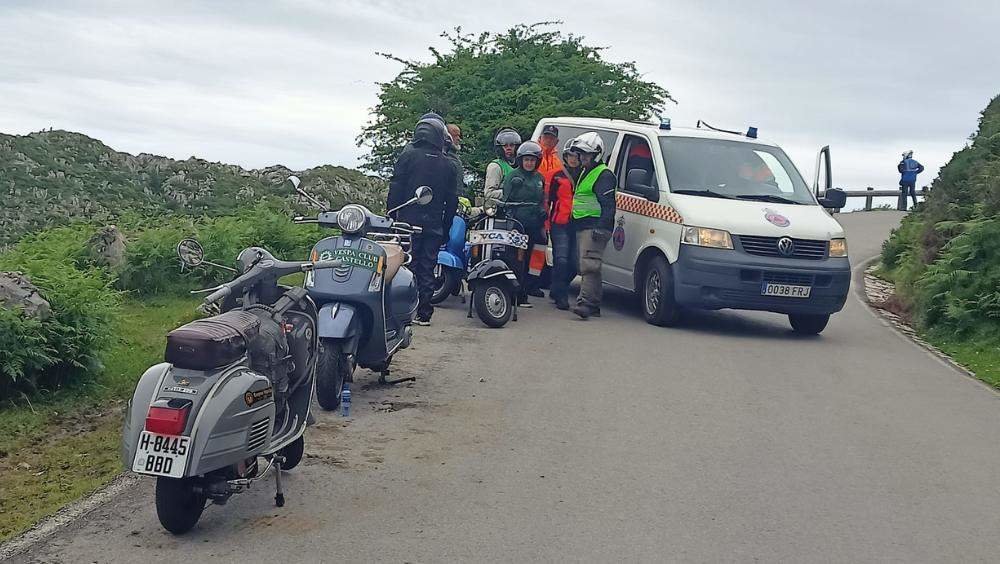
(776, 218)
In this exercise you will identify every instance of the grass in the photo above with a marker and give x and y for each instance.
(67, 445)
(980, 354)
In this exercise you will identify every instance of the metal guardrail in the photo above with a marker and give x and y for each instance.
(871, 193)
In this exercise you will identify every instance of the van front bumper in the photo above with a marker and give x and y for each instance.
(707, 278)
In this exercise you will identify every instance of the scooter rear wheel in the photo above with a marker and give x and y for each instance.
(333, 368)
(178, 506)
(293, 453)
(493, 304)
(446, 280)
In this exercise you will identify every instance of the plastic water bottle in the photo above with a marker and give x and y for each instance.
(345, 402)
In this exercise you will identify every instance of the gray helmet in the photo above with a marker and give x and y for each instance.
(528, 149)
(430, 131)
(507, 136)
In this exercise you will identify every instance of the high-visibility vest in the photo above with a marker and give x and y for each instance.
(504, 167)
(585, 202)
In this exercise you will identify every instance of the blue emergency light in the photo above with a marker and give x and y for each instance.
(752, 133)
(665, 124)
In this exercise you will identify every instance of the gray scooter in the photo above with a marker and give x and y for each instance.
(236, 387)
(366, 306)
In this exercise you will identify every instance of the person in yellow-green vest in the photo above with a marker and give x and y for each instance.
(505, 143)
(593, 219)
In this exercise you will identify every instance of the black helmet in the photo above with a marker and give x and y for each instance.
(430, 131)
(431, 115)
(528, 149)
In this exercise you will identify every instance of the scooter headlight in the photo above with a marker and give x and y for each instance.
(351, 219)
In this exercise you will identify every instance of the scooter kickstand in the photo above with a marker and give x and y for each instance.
(383, 379)
(279, 496)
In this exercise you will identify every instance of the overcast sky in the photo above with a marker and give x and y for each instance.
(291, 81)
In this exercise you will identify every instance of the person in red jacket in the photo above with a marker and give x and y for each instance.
(559, 202)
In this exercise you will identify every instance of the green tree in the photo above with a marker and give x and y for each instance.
(512, 79)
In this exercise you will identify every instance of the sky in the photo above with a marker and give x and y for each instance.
(292, 81)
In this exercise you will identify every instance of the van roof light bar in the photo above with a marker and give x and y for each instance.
(751, 132)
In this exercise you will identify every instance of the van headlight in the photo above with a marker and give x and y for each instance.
(838, 248)
(705, 237)
(351, 218)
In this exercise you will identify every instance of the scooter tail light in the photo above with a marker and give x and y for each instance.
(165, 420)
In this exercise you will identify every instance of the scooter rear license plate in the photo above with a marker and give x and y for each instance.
(161, 455)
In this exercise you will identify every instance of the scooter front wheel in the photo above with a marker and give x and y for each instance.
(178, 505)
(446, 280)
(332, 368)
(493, 303)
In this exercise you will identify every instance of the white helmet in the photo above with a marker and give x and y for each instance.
(908, 154)
(589, 142)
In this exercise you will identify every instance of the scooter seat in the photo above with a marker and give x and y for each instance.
(394, 259)
(205, 344)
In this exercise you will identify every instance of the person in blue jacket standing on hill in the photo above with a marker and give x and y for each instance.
(908, 168)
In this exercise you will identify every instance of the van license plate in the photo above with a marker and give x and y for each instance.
(161, 455)
(785, 290)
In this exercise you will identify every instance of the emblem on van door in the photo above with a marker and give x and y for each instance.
(776, 218)
(786, 246)
(618, 237)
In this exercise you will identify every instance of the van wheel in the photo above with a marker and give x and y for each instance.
(178, 505)
(657, 296)
(333, 368)
(808, 324)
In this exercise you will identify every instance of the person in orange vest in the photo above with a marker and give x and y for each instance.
(550, 163)
(559, 205)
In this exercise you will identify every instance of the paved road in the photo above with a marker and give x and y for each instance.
(729, 439)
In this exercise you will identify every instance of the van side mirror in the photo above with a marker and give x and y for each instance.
(637, 182)
(834, 199)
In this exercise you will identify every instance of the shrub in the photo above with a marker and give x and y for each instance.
(961, 290)
(152, 267)
(67, 346)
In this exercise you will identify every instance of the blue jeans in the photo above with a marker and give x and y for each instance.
(563, 261)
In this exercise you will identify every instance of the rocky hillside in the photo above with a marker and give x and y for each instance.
(52, 177)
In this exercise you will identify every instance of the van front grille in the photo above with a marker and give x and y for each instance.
(808, 249)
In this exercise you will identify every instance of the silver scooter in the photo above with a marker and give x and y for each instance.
(235, 388)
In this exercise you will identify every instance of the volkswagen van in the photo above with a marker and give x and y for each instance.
(714, 219)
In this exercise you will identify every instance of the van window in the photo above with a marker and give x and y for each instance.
(567, 132)
(719, 168)
(635, 155)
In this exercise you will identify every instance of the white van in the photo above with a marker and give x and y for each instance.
(713, 219)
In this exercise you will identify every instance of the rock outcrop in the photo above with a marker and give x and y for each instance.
(18, 293)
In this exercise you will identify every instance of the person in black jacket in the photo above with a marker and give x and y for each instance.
(423, 163)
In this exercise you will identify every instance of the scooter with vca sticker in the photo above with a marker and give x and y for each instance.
(366, 307)
(236, 387)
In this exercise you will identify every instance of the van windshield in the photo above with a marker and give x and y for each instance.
(717, 168)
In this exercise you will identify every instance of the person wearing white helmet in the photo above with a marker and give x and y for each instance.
(908, 169)
(593, 219)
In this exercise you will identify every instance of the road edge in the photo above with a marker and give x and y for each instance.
(905, 332)
(67, 515)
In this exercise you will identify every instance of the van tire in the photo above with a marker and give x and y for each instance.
(656, 294)
(808, 324)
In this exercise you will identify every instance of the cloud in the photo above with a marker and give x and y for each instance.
(292, 81)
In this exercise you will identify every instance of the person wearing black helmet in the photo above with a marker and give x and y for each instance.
(524, 184)
(505, 144)
(424, 163)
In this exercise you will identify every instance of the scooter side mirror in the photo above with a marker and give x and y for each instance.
(294, 181)
(424, 195)
(190, 252)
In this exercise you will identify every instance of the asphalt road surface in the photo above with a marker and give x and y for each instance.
(554, 439)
